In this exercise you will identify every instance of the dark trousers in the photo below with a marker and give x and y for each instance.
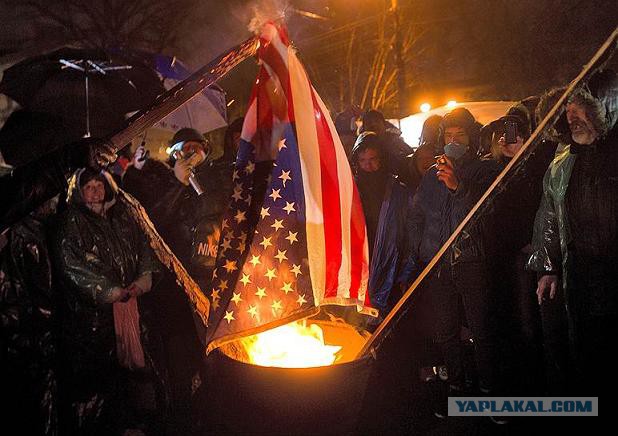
(467, 284)
(580, 364)
(518, 325)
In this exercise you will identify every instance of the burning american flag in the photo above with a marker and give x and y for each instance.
(293, 237)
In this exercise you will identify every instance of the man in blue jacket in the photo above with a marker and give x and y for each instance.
(446, 194)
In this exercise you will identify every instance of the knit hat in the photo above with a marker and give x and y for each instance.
(187, 134)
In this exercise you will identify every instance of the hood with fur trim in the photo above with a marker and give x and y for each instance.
(599, 98)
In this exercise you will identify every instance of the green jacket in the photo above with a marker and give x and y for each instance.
(551, 227)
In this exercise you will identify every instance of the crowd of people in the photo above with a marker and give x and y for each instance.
(98, 338)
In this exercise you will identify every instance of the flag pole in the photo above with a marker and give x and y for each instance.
(603, 54)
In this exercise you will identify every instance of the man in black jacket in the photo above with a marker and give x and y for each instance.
(190, 224)
(575, 243)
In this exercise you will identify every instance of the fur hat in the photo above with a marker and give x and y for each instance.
(560, 131)
(599, 98)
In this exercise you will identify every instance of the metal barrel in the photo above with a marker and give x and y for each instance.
(240, 398)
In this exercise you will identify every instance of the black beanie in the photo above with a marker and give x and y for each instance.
(187, 134)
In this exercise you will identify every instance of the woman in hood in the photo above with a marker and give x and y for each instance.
(105, 267)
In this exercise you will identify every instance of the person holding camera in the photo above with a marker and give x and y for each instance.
(446, 194)
(510, 236)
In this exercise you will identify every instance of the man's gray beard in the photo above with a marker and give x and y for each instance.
(583, 138)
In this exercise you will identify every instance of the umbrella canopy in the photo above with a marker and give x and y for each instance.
(204, 112)
(87, 88)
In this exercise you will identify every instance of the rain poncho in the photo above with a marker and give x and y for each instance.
(94, 255)
(551, 233)
(27, 338)
(390, 246)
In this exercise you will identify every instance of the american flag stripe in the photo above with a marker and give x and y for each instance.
(336, 231)
(360, 252)
(354, 271)
(331, 205)
(309, 154)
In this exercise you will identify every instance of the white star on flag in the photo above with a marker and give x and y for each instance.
(285, 176)
(278, 224)
(275, 194)
(289, 207)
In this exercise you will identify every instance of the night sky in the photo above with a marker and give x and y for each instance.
(463, 50)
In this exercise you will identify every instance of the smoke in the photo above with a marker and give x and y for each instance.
(266, 10)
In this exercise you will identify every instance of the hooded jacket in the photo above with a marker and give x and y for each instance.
(386, 205)
(587, 252)
(95, 254)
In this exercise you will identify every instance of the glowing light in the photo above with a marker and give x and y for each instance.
(168, 150)
(451, 104)
(294, 345)
(425, 107)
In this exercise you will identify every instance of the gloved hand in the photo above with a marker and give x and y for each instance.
(89, 152)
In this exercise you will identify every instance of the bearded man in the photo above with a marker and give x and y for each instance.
(575, 240)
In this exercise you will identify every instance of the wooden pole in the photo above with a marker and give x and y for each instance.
(598, 60)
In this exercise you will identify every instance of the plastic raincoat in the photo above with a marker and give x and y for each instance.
(95, 254)
(28, 343)
(551, 232)
(390, 249)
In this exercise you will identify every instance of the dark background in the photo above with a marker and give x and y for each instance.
(462, 50)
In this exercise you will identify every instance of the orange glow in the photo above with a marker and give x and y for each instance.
(293, 345)
(425, 107)
(451, 104)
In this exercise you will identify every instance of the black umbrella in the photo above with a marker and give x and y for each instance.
(27, 135)
(90, 89)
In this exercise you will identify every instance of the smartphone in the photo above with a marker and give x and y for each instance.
(510, 132)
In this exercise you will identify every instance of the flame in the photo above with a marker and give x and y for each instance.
(293, 345)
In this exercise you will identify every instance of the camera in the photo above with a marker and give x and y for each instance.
(510, 132)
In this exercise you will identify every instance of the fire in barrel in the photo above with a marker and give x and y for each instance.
(293, 242)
